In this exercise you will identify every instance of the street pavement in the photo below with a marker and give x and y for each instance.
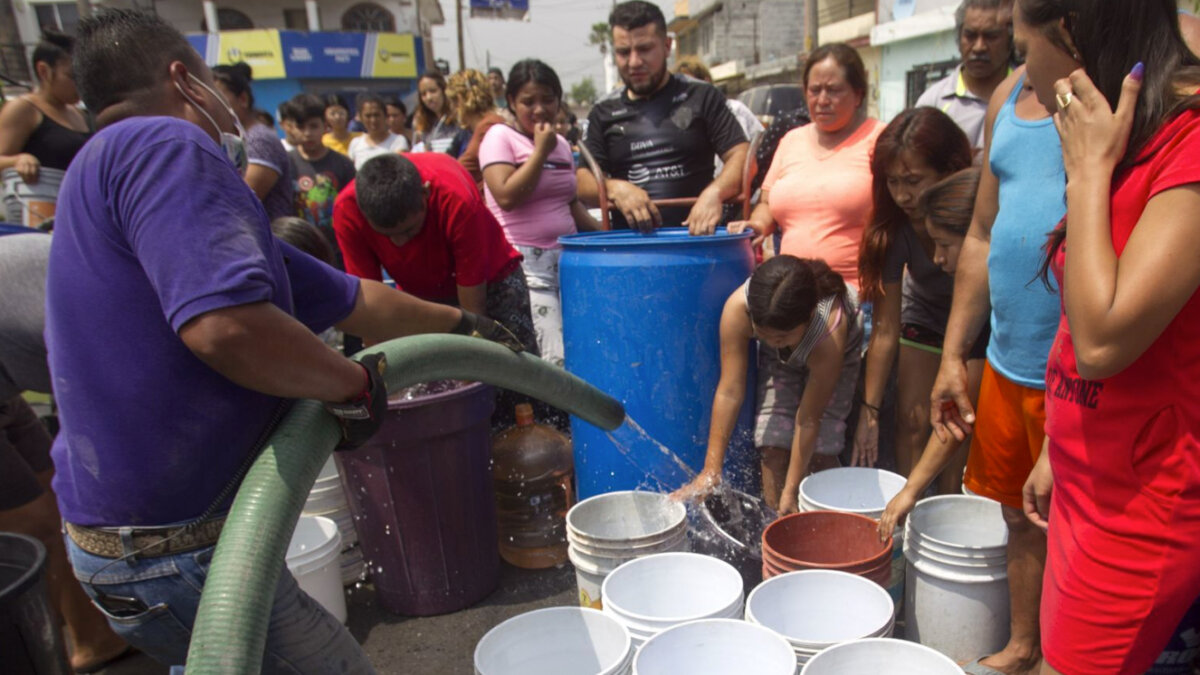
(434, 645)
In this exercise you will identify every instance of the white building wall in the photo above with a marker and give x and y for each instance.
(927, 37)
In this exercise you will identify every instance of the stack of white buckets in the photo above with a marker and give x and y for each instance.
(610, 529)
(956, 595)
(328, 500)
(865, 492)
(649, 595)
(816, 609)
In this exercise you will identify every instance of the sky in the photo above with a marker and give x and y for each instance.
(557, 33)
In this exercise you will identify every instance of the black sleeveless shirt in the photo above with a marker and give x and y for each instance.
(53, 144)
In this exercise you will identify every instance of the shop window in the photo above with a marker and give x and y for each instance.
(229, 19)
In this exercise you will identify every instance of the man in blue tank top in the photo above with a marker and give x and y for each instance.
(1020, 200)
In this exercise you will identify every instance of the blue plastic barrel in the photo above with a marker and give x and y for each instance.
(641, 318)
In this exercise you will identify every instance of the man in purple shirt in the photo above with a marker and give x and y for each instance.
(178, 329)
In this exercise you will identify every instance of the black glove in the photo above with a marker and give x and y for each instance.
(475, 325)
(361, 417)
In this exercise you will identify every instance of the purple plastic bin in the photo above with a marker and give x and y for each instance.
(423, 503)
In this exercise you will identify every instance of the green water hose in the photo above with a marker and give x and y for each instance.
(230, 632)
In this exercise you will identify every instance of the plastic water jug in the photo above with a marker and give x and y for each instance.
(533, 470)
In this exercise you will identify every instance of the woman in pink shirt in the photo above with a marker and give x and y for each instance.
(529, 185)
(818, 188)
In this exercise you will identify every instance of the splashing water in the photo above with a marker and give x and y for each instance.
(665, 474)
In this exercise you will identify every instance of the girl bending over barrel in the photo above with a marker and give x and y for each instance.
(809, 332)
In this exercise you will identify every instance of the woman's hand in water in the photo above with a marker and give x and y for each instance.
(866, 439)
(900, 506)
(703, 485)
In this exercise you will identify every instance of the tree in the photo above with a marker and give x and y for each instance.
(600, 37)
(584, 93)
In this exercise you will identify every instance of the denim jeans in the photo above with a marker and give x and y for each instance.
(302, 637)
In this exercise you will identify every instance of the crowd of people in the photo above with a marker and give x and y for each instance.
(1005, 265)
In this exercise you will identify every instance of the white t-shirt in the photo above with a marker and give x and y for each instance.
(361, 148)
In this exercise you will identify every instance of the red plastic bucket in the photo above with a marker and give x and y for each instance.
(827, 540)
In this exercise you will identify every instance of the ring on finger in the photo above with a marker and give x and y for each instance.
(1064, 99)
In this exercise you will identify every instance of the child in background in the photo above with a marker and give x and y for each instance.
(947, 205)
(337, 116)
(305, 236)
(320, 173)
(378, 139)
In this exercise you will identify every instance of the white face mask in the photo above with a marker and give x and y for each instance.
(234, 145)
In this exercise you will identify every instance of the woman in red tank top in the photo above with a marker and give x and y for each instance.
(1123, 380)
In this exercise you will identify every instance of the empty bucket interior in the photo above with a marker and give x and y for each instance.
(630, 515)
(821, 606)
(673, 587)
(880, 655)
(851, 489)
(555, 641)
(960, 521)
(716, 647)
(823, 538)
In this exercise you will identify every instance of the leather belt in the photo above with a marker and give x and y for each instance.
(148, 542)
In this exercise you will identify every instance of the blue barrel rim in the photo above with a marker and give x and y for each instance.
(673, 236)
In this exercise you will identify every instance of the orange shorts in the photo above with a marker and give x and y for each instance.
(1010, 425)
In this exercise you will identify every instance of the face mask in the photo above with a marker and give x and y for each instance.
(234, 145)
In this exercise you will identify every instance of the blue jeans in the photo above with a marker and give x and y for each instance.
(302, 637)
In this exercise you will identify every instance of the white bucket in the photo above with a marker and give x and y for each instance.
(851, 490)
(864, 491)
(325, 499)
(610, 529)
(813, 609)
(880, 655)
(590, 570)
(625, 519)
(956, 597)
(556, 641)
(312, 557)
(715, 647)
(654, 593)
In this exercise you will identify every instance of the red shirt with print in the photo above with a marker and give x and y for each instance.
(1124, 547)
(460, 244)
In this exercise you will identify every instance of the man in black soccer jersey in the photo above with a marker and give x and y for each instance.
(656, 137)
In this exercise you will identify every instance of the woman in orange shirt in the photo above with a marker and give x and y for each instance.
(818, 188)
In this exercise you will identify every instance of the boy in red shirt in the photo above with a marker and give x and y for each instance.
(420, 218)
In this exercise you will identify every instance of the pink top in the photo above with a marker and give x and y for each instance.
(821, 199)
(546, 214)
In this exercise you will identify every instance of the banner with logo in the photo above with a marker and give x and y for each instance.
(323, 55)
(280, 54)
(260, 49)
(392, 55)
(500, 9)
